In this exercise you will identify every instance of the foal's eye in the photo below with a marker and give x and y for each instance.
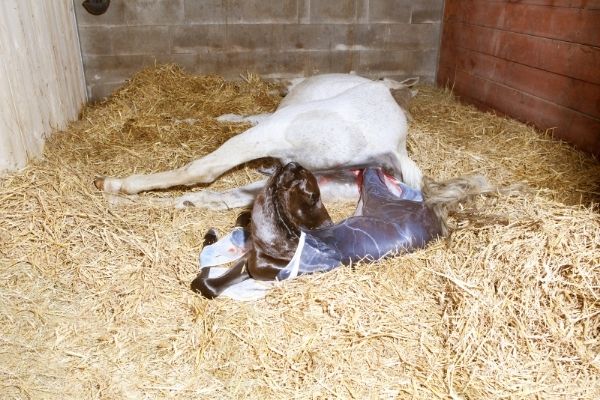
(314, 198)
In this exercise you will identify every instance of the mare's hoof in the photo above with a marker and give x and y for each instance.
(99, 182)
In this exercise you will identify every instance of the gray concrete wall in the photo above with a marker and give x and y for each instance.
(276, 38)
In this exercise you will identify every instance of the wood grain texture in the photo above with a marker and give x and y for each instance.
(41, 77)
(565, 58)
(568, 24)
(537, 61)
(574, 127)
(563, 90)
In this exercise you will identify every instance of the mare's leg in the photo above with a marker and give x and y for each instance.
(247, 146)
(233, 198)
(251, 119)
(332, 190)
(407, 169)
(338, 188)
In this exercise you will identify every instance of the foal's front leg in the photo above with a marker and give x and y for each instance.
(212, 287)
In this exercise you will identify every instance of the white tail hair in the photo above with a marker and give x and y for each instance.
(445, 197)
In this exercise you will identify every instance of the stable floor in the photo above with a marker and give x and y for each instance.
(95, 299)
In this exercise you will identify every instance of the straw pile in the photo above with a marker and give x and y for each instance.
(95, 299)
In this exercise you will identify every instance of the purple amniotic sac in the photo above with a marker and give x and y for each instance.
(388, 222)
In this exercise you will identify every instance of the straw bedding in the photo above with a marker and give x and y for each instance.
(95, 299)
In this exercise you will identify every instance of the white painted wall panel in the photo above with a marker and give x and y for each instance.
(42, 86)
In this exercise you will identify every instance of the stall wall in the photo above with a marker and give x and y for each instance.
(535, 60)
(275, 38)
(41, 76)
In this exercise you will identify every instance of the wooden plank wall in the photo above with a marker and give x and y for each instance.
(535, 60)
(42, 85)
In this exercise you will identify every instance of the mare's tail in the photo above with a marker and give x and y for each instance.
(445, 197)
(406, 169)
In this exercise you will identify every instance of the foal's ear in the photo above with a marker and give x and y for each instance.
(287, 175)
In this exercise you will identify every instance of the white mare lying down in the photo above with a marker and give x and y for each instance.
(327, 123)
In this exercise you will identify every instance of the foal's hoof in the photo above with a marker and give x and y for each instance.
(99, 182)
(199, 285)
(244, 219)
(210, 237)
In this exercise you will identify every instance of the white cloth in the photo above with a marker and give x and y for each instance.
(250, 289)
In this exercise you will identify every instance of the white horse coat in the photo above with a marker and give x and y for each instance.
(326, 123)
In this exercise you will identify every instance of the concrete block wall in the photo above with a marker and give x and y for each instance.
(274, 38)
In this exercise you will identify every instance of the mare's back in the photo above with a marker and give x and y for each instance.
(360, 125)
(321, 87)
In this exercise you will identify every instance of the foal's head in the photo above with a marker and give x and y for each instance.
(290, 201)
(298, 198)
